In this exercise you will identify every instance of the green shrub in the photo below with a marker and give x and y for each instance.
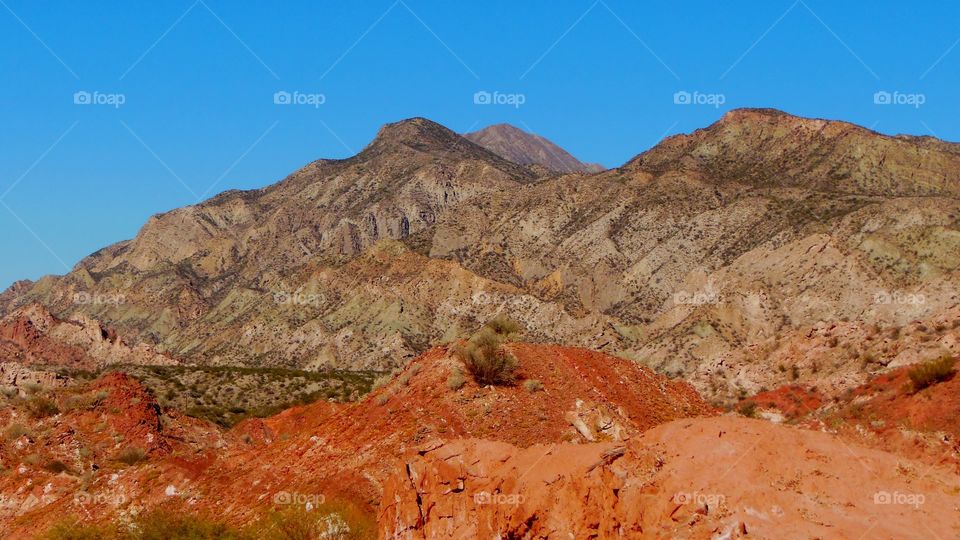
(456, 380)
(483, 354)
(73, 529)
(931, 372)
(56, 467)
(41, 407)
(533, 385)
(132, 455)
(15, 431)
(163, 525)
(748, 409)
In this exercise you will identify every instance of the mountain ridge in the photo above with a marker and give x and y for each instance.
(363, 262)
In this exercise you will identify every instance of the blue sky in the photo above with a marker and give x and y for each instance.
(183, 90)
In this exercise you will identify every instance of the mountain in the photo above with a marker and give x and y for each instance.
(711, 256)
(525, 148)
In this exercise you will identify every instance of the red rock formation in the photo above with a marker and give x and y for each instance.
(701, 478)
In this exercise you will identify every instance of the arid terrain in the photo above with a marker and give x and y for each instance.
(748, 331)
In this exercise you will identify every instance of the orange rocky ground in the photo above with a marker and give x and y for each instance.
(885, 413)
(313, 452)
(606, 449)
(722, 477)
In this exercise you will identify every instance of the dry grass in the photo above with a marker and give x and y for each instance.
(484, 357)
(932, 372)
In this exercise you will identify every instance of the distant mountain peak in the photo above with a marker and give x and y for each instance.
(519, 146)
(416, 132)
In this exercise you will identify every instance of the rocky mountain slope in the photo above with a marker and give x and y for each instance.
(698, 257)
(525, 148)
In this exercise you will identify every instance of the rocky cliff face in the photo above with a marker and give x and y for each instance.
(33, 336)
(697, 256)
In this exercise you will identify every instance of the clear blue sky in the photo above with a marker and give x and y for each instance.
(198, 82)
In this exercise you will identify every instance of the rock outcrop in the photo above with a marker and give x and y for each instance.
(701, 478)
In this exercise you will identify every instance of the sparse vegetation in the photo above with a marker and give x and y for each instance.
(456, 380)
(533, 385)
(748, 409)
(932, 372)
(331, 520)
(15, 431)
(131, 456)
(56, 467)
(226, 395)
(483, 354)
(40, 406)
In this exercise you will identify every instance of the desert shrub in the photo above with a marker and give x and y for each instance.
(56, 467)
(381, 381)
(794, 372)
(931, 372)
(32, 388)
(456, 380)
(533, 385)
(483, 354)
(15, 431)
(335, 520)
(504, 327)
(748, 409)
(41, 406)
(131, 455)
(73, 529)
(165, 525)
